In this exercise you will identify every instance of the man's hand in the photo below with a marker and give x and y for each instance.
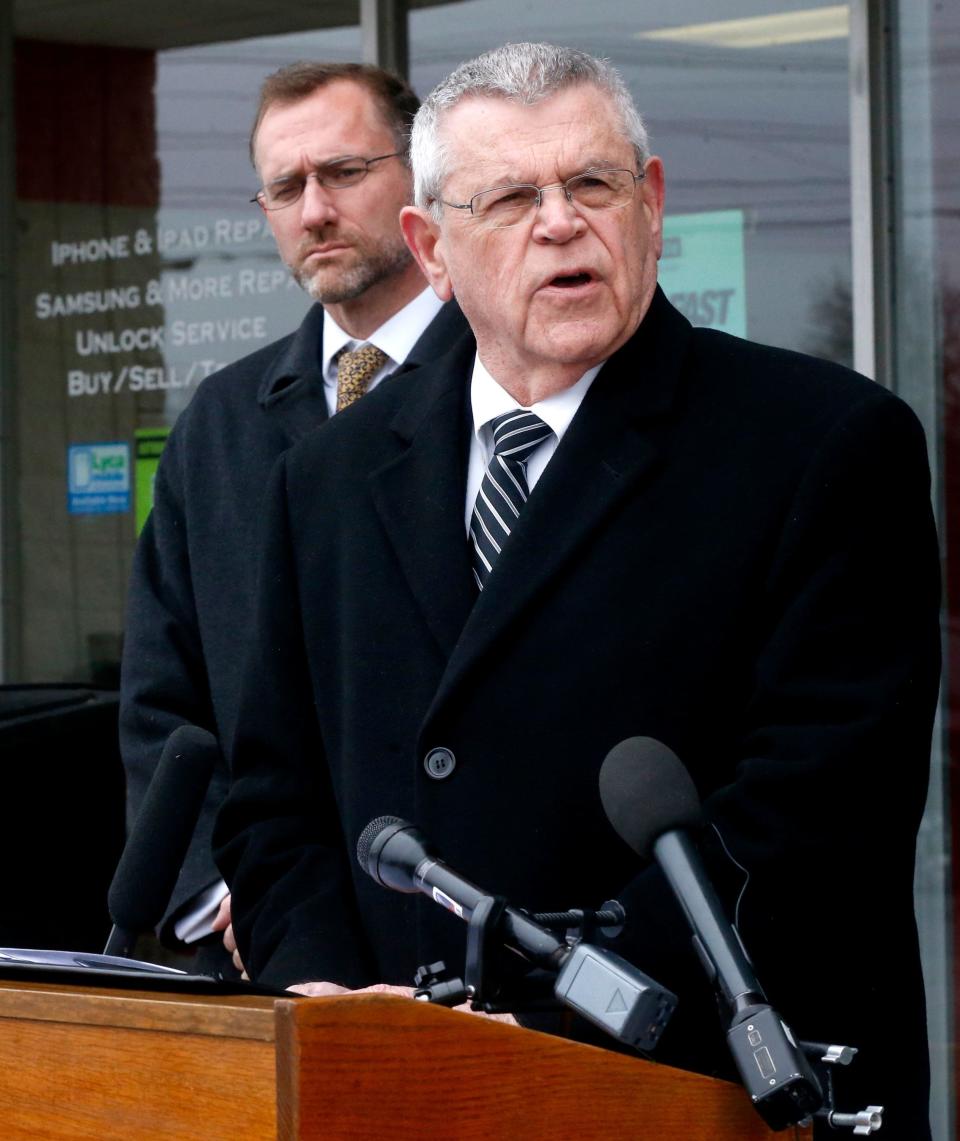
(224, 922)
(327, 990)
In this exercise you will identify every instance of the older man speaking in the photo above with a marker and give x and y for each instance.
(591, 522)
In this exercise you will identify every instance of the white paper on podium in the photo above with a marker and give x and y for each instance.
(28, 956)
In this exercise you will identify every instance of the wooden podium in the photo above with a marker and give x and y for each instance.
(100, 1064)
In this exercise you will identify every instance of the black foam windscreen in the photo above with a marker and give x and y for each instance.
(646, 791)
(147, 872)
(370, 834)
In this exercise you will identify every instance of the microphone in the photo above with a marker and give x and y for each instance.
(147, 872)
(596, 983)
(398, 856)
(650, 799)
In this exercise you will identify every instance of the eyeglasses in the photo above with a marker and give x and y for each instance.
(336, 175)
(592, 190)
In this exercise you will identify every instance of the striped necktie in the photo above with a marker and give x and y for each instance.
(503, 490)
(355, 369)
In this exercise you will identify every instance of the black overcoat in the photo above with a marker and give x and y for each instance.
(190, 598)
(731, 551)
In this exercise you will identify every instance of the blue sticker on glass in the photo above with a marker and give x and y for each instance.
(98, 478)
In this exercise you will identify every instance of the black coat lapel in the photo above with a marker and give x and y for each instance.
(292, 393)
(420, 495)
(612, 445)
(444, 331)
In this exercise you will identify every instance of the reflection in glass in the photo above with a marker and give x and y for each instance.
(760, 130)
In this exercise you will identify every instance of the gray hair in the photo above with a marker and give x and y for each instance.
(524, 73)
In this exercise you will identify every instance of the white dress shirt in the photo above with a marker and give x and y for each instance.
(489, 400)
(395, 338)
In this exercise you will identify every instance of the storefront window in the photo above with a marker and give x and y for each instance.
(750, 114)
(927, 53)
(142, 268)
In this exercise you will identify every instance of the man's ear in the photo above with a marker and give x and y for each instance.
(651, 194)
(422, 234)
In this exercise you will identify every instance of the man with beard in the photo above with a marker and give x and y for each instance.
(329, 144)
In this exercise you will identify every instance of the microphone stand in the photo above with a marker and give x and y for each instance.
(596, 983)
(788, 1081)
(756, 1035)
(483, 982)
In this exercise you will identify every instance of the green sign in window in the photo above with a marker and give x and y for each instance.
(148, 446)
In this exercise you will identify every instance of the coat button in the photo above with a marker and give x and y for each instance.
(439, 763)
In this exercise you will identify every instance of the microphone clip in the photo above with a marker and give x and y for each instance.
(484, 983)
(595, 983)
(584, 924)
(790, 1081)
(825, 1058)
(434, 983)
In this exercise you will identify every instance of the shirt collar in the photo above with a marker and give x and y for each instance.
(395, 337)
(489, 400)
